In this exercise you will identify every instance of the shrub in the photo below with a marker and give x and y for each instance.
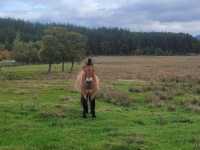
(115, 97)
(135, 90)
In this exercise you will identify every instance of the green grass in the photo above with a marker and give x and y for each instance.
(32, 71)
(46, 115)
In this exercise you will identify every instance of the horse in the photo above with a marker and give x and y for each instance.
(88, 84)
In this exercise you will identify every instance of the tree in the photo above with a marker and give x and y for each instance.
(33, 52)
(71, 45)
(60, 34)
(196, 46)
(102, 41)
(50, 50)
(26, 52)
(20, 50)
(76, 44)
(2, 46)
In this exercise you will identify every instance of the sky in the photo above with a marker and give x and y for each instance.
(135, 15)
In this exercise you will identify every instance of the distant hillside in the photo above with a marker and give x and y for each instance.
(197, 37)
(104, 41)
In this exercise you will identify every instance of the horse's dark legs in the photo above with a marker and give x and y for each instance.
(92, 106)
(84, 105)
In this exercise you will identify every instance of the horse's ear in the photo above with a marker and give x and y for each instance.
(89, 62)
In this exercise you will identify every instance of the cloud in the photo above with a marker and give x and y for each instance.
(137, 15)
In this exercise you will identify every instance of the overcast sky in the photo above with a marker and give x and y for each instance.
(136, 15)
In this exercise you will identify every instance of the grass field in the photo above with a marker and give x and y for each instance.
(145, 103)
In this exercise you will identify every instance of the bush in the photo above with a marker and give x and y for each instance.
(135, 90)
(115, 97)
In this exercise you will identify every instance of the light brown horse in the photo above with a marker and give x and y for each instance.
(88, 84)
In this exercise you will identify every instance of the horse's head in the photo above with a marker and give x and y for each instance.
(89, 77)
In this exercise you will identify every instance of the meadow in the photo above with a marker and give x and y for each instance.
(144, 103)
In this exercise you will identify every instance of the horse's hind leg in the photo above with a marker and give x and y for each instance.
(85, 106)
(92, 106)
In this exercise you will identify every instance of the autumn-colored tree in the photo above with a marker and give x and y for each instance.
(4, 55)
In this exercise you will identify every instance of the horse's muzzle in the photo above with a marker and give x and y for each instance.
(88, 83)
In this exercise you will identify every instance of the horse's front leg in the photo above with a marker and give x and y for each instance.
(84, 106)
(92, 106)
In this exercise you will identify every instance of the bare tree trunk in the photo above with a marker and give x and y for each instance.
(49, 70)
(72, 66)
(63, 66)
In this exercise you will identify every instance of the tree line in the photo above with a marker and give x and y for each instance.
(102, 41)
(56, 46)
